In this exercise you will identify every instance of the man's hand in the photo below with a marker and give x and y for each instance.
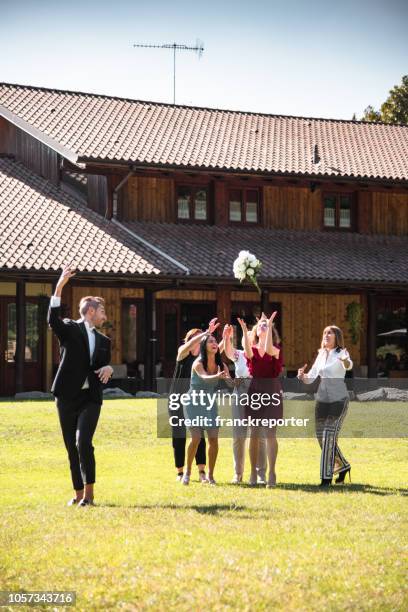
(104, 373)
(66, 274)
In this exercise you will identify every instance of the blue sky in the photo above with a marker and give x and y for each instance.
(317, 58)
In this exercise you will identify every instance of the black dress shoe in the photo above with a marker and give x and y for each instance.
(85, 502)
(72, 502)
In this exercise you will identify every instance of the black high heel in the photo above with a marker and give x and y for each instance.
(326, 482)
(342, 475)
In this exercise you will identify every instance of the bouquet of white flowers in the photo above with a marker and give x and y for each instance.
(247, 267)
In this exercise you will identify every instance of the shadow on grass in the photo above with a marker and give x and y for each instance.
(208, 509)
(248, 512)
(347, 488)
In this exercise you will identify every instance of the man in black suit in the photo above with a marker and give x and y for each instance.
(84, 367)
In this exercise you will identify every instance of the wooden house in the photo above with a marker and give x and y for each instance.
(152, 203)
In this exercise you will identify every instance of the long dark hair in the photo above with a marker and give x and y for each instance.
(204, 355)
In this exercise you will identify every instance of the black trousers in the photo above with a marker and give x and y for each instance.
(329, 418)
(179, 437)
(78, 419)
(179, 449)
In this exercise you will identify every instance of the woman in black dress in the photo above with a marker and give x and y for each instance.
(186, 355)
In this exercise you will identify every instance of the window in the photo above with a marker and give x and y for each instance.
(129, 333)
(192, 203)
(392, 339)
(244, 206)
(338, 211)
(32, 339)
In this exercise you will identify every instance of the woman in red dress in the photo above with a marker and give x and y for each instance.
(264, 358)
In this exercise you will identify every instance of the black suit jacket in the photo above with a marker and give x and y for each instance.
(75, 364)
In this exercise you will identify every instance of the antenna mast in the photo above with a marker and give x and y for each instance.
(199, 48)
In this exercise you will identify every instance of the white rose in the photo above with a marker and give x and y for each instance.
(243, 254)
(250, 272)
(254, 264)
(251, 257)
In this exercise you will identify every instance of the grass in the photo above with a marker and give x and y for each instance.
(153, 544)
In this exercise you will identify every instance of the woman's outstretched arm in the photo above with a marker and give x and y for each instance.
(246, 342)
(270, 349)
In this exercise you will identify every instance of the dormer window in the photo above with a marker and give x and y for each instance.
(244, 206)
(192, 203)
(338, 211)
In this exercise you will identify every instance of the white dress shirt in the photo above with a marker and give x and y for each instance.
(330, 368)
(56, 303)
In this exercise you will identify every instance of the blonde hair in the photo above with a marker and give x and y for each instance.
(254, 338)
(90, 301)
(338, 335)
(192, 332)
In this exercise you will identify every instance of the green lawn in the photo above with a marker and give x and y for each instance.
(153, 544)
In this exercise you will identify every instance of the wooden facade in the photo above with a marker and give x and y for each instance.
(150, 195)
(35, 155)
(303, 316)
(146, 198)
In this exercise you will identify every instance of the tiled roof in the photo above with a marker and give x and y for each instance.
(43, 228)
(97, 127)
(285, 254)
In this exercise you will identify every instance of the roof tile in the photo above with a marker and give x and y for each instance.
(115, 129)
(285, 254)
(43, 227)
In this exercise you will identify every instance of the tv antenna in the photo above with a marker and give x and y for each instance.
(199, 48)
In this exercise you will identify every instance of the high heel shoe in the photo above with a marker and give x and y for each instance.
(326, 482)
(342, 475)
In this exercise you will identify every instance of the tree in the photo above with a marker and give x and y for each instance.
(370, 114)
(394, 109)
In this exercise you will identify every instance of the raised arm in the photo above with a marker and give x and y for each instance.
(185, 348)
(246, 342)
(54, 319)
(270, 349)
(227, 342)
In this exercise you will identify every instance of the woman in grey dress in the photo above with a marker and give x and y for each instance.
(201, 410)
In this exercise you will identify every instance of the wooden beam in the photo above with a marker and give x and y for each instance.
(372, 335)
(253, 178)
(223, 297)
(264, 302)
(150, 340)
